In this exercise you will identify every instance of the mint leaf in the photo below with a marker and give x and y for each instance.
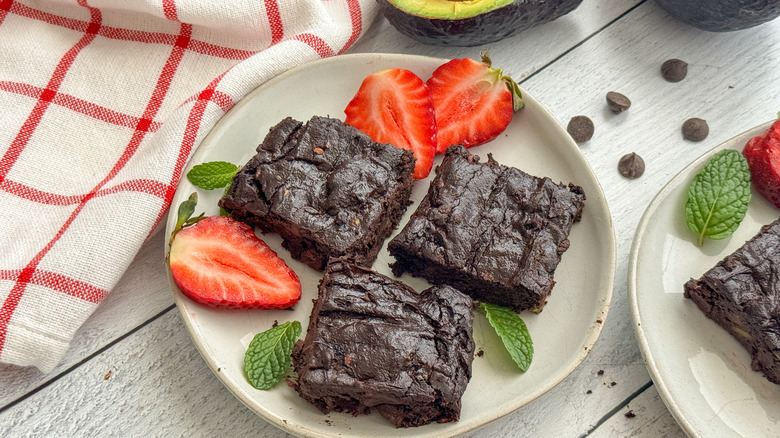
(718, 196)
(513, 333)
(212, 175)
(269, 355)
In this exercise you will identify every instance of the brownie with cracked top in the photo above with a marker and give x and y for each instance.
(742, 294)
(325, 187)
(375, 343)
(491, 231)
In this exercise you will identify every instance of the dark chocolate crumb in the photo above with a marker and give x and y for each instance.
(674, 70)
(617, 102)
(600, 372)
(612, 384)
(580, 128)
(695, 129)
(631, 166)
(630, 414)
(480, 353)
(598, 321)
(589, 392)
(275, 323)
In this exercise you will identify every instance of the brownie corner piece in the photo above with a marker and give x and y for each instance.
(741, 293)
(325, 187)
(375, 343)
(491, 231)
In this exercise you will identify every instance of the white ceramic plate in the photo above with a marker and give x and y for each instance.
(701, 372)
(563, 333)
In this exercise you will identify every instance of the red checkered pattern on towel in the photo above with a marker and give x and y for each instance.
(101, 104)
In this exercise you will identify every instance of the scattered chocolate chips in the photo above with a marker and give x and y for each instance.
(695, 129)
(617, 102)
(631, 166)
(674, 70)
(580, 128)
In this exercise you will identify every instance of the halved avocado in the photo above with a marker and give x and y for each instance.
(470, 22)
(722, 15)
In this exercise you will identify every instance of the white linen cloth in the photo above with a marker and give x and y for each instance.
(102, 102)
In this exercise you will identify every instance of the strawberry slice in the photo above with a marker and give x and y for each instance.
(220, 262)
(763, 156)
(394, 106)
(473, 102)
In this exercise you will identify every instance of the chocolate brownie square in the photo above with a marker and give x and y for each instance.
(376, 343)
(325, 187)
(491, 231)
(742, 294)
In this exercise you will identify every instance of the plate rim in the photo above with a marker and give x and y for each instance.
(633, 261)
(594, 330)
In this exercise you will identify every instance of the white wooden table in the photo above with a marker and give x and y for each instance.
(133, 370)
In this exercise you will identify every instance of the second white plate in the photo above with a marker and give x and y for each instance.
(701, 372)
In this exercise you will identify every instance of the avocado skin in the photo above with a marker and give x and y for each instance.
(480, 29)
(722, 15)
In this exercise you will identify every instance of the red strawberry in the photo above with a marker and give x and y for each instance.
(220, 262)
(394, 106)
(473, 102)
(763, 156)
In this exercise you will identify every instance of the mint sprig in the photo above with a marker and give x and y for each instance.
(212, 175)
(269, 355)
(718, 196)
(513, 333)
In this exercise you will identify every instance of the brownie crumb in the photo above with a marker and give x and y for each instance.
(630, 414)
(600, 372)
(580, 128)
(480, 353)
(674, 70)
(617, 102)
(631, 166)
(695, 129)
(589, 392)
(598, 321)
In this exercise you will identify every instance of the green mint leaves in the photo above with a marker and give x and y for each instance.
(513, 333)
(718, 196)
(212, 175)
(269, 355)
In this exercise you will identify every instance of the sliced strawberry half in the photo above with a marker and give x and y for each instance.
(220, 262)
(763, 156)
(473, 101)
(394, 106)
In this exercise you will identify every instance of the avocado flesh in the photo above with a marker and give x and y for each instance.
(491, 25)
(448, 9)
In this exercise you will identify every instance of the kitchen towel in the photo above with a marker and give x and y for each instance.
(102, 102)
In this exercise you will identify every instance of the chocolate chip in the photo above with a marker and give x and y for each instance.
(580, 128)
(617, 102)
(631, 166)
(674, 70)
(695, 129)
